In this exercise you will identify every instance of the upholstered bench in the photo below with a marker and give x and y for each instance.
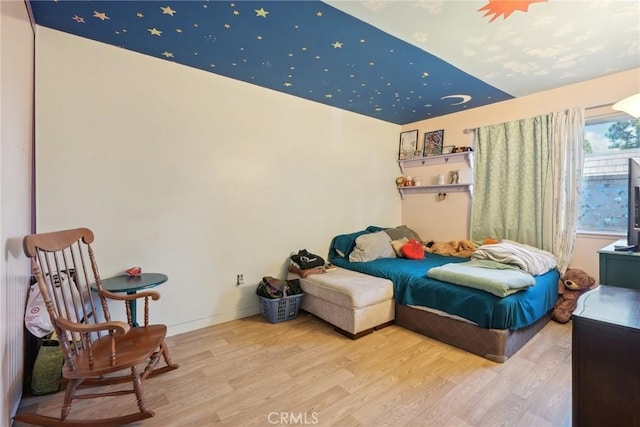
(355, 303)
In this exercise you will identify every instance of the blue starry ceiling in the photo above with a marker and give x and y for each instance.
(323, 53)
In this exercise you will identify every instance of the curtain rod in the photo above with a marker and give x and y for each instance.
(468, 130)
(600, 106)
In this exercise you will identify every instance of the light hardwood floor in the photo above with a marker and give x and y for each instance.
(301, 372)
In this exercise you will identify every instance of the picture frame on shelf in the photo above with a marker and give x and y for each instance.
(454, 177)
(448, 149)
(408, 145)
(433, 143)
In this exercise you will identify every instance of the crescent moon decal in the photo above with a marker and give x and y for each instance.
(463, 98)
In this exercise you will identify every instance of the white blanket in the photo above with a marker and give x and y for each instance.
(527, 258)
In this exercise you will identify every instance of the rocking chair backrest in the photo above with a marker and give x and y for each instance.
(65, 269)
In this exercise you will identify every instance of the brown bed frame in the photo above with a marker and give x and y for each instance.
(494, 344)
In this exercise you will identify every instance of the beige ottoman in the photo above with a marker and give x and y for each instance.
(355, 303)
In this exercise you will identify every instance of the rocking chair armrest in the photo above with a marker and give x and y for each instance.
(128, 297)
(118, 327)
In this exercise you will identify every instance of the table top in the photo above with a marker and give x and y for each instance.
(610, 304)
(611, 249)
(126, 283)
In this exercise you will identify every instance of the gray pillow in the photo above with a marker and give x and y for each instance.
(372, 246)
(401, 231)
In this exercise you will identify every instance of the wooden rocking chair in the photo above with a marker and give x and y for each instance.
(96, 349)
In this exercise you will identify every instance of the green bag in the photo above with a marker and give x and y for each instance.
(47, 369)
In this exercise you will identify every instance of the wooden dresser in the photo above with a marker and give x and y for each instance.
(606, 358)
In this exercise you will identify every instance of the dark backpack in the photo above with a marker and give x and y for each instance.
(306, 260)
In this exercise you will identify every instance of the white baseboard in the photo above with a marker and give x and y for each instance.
(210, 321)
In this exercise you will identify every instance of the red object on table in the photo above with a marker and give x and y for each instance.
(134, 271)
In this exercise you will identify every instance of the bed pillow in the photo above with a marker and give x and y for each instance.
(372, 246)
(397, 246)
(413, 250)
(343, 244)
(402, 231)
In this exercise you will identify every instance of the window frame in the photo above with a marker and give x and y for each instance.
(601, 115)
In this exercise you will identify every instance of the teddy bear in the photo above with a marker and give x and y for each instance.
(573, 283)
(459, 248)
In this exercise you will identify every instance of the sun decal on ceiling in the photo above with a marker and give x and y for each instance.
(506, 7)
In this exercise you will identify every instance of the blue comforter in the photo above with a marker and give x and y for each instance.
(413, 287)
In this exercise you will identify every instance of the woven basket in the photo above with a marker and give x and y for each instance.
(47, 369)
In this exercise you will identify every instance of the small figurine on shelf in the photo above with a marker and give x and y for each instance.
(462, 149)
(400, 181)
(408, 182)
(454, 177)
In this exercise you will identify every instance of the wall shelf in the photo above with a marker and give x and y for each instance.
(445, 188)
(466, 156)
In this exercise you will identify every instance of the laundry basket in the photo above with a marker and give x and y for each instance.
(280, 309)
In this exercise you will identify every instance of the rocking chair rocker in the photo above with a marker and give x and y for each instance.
(94, 347)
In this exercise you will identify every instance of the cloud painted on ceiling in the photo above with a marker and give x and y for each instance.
(306, 49)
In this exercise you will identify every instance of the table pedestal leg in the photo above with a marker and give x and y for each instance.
(134, 311)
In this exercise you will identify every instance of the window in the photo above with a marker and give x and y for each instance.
(609, 142)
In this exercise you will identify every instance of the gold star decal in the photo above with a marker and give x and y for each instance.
(154, 31)
(178, 30)
(318, 13)
(167, 54)
(287, 84)
(425, 74)
(167, 10)
(235, 12)
(261, 12)
(328, 95)
(78, 19)
(139, 15)
(337, 45)
(227, 26)
(100, 15)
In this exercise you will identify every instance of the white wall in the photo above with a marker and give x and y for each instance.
(196, 175)
(449, 219)
(16, 141)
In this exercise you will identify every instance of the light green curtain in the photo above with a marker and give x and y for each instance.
(528, 182)
(511, 182)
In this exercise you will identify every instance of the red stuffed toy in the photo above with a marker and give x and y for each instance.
(413, 250)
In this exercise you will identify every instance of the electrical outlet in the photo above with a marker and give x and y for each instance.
(239, 279)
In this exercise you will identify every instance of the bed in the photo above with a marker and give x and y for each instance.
(472, 319)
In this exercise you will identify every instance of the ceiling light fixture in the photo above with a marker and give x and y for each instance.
(629, 105)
